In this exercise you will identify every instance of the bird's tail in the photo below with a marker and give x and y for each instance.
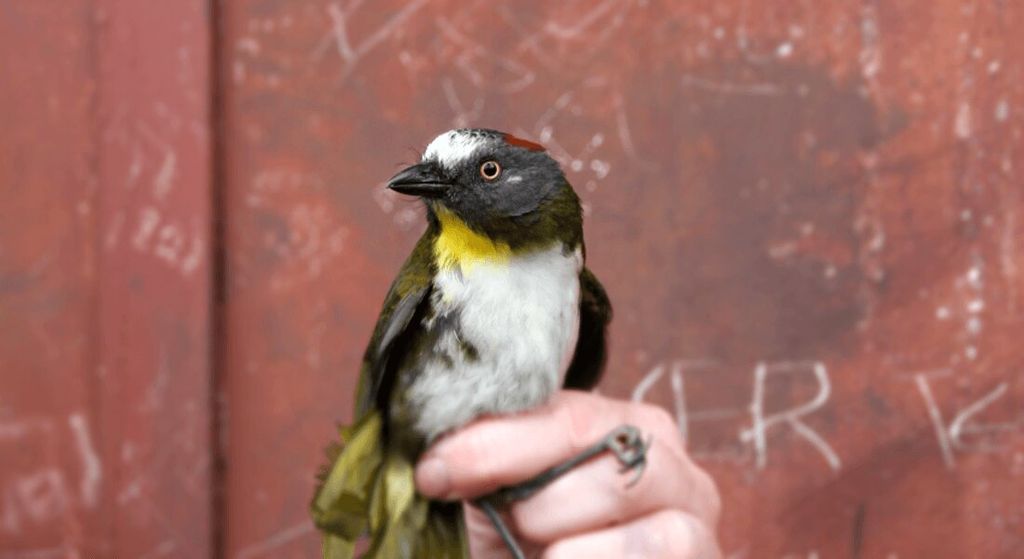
(367, 490)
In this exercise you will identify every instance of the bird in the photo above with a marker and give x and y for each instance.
(491, 314)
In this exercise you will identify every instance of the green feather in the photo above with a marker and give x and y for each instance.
(336, 547)
(340, 504)
(367, 490)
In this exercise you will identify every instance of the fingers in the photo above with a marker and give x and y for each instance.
(591, 511)
(485, 543)
(597, 494)
(500, 451)
(665, 534)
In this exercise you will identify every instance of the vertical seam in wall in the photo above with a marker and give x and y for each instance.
(95, 382)
(218, 270)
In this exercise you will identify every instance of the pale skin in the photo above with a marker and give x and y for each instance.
(671, 512)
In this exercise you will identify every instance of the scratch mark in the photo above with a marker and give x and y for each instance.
(473, 48)
(1008, 251)
(463, 117)
(92, 473)
(339, 33)
(582, 22)
(870, 56)
(962, 122)
(164, 179)
(545, 118)
(936, 417)
(277, 540)
(857, 545)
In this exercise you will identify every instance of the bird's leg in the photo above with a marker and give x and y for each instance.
(625, 442)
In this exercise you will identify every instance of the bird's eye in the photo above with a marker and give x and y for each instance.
(490, 170)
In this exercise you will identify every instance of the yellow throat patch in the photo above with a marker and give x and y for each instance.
(459, 246)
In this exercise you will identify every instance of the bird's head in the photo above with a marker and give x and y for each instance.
(495, 184)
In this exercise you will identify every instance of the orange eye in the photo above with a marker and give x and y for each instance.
(490, 170)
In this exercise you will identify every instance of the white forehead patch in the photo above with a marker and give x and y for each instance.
(454, 147)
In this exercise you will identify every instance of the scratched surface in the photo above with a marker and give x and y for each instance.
(104, 280)
(808, 214)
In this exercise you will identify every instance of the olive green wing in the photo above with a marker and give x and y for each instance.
(367, 489)
(408, 292)
(592, 344)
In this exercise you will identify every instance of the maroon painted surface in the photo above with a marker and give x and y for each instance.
(810, 218)
(104, 280)
(768, 185)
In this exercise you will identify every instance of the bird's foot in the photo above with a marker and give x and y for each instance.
(625, 442)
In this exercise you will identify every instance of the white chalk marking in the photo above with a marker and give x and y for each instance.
(647, 382)
(679, 401)
(42, 494)
(164, 179)
(962, 123)
(149, 218)
(870, 56)
(758, 432)
(92, 473)
(960, 424)
(936, 416)
(168, 244)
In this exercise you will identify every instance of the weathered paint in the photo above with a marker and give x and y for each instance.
(104, 280)
(793, 205)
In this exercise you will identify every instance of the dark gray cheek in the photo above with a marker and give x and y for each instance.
(460, 200)
(515, 199)
(471, 205)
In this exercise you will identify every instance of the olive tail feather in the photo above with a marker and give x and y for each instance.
(367, 491)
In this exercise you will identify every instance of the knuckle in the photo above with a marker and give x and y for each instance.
(678, 532)
(473, 452)
(530, 525)
(583, 414)
(657, 420)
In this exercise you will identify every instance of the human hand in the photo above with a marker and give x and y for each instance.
(670, 512)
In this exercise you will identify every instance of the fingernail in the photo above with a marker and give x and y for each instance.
(432, 477)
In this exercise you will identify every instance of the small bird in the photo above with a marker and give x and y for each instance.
(492, 313)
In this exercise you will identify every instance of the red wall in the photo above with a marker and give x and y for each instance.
(810, 218)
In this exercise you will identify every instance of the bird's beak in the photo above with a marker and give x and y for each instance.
(423, 180)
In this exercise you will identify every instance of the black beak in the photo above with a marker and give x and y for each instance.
(423, 180)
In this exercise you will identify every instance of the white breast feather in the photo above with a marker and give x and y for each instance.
(522, 316)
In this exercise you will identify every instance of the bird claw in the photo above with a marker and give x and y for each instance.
(628, 445)
(625, 442)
